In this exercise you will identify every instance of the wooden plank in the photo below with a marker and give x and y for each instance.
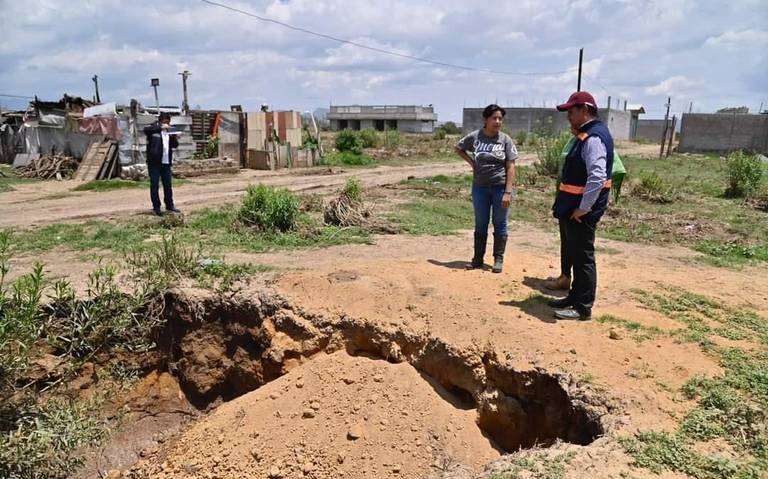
(93, 161)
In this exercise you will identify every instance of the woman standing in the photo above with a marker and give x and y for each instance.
(492, 159)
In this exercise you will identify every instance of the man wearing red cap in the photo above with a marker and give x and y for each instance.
(581, 200)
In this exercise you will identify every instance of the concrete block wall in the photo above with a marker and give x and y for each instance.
(618, 122)
(723, 132)
(415, 126)
(650, 130)
(545, 120)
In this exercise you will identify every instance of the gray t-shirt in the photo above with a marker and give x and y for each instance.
(491, 155)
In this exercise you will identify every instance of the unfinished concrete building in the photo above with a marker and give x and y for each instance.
(404, 118)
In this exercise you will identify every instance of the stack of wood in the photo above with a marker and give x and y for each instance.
(48, 167)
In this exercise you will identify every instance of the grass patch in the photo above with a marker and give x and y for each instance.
(730, 254)
(637, 331)
(347, 158)
(732, 407)
(9, 178)
(433, 217)
(658, 451)
(120, 184)
(108, 185)
(536, 464)
(38, 440)
(703, 316)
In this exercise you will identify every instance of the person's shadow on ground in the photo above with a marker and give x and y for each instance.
(450, 264)
(534, 305)
(538, 284)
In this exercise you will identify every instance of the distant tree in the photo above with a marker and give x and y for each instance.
(451, 128)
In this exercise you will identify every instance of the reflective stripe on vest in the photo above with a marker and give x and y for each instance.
(579, 190)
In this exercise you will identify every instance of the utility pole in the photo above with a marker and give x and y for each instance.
(690, 107)
(96, 83)
(666, 125)
(185, 105)
(155, 82)
(671, 135)
(581, 58)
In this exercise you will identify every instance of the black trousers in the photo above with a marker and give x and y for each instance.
(580, 247)
(565, 260)
(158, 172)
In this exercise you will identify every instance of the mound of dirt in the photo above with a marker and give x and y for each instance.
(335, 416)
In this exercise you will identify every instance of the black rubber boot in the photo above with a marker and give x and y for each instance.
(499, 245)
(481, 240)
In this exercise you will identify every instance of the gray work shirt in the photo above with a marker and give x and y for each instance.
(491, 155)
(595, 156)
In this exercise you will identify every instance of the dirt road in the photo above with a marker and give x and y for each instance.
(44, 203)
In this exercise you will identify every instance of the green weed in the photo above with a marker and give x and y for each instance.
(269, 209)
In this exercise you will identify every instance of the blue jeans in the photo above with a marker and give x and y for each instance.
(158, 172)
(487, 199)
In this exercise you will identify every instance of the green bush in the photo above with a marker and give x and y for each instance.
(521, 137)
(347, 158)
(440, 133)
(392, 137)
(211, 149)
(652, 187)
(21, 320)
(353, 190)
(451, 128)
(745, 172)
(548, 150)
(269, 209)
(525, 176)
(349, 141)
(41, 441)
(369, 138)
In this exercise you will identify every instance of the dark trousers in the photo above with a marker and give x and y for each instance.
(160, 172)
(565, 261)
(580, 247)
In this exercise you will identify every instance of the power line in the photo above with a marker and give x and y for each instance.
(378, 50)
(17, 96)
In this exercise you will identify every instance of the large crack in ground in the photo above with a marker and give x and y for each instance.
(220, 350)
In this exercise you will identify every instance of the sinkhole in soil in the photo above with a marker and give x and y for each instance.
(221, 350)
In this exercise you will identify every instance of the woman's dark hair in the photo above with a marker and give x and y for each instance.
(493, 108)
(165, 116)
(592, 110)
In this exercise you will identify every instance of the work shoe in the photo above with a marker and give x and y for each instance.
(478, 260)
(561, 282)
(173, 209)
(157, 212)
(572, 313)
(499, 246)
(560, 303)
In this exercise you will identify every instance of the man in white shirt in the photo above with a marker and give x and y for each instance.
(160, 144)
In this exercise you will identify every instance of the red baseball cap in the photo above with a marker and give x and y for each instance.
(578, 98)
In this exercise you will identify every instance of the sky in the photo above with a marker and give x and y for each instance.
(711, 53)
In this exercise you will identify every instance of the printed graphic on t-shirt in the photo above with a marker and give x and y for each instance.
(496, 149)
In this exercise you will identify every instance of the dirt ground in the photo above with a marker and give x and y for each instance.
(419, 285)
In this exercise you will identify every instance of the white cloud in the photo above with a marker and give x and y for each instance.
(675, 86)
(643, 51)
(734, 39)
